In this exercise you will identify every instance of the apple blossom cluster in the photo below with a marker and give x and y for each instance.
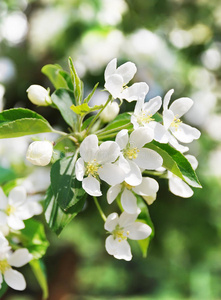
(111, 155)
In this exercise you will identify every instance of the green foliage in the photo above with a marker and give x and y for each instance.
(85, 109)
(18, 122)
(6, 175)
(78, 84)
(56, 75)
(38, 269)
(88, 98)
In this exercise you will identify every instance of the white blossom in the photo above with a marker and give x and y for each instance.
(147, 188)
(97, 162)
(19, 258)
(40, 152)
(121, 228)
(134, 156)
(110, 112)
(39, 95)
(117, 78)
(16, 208)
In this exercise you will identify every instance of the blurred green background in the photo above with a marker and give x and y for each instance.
(175, 44)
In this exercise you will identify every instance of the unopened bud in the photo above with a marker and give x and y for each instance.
(38, 95)
(110, 112)
(40, 152)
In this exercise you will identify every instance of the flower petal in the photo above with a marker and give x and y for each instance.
(150, 199)
(166, 99)
(123, 251)
(111, 222)
(111, 173)
(148, 186)
(15, 279)
(3, 218)
(79, 169)
(173, 142)
(89, 147)
(15, 222)
(134, 177)
(4, 200)
(168, 118)
(108, 152)
(160, 132)
(124, 164)
(178, 187)
(110, 68)
(127, 219)
(113, 85)
(180, 106)
(113, 192)
(91, 186)
(122, 138)
(148, 159)
(17, 196)
(137, 91)
(129, 202)
(139, 231)
(141, 136)
(127, 71)
(153, 105)
(193, 161)
(185, 133)
(20, 258)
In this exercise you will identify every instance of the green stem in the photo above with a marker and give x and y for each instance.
(66, 135)
(98, 114)
(100, 209)
(101, 132)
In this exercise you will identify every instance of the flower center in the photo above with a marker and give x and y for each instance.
(143, 118)
(176, 122)
(131, 153)
(10, 210)
(4, 266)
(92, 168)
(128, 186)
(120, 234)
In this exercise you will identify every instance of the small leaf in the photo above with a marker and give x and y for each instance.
(38, 269)
(34, 239)
(6, 175)
(64, 99)
(18, 122)
(66, 188)
(88, 98)
(67, 78)
(84, 109)
(3, 289)
(53, 73)
(120, 120)
(78, 84)
(175, 162)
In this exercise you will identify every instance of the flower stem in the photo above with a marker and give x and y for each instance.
(101, 132)
(100, 209)
(66, 135)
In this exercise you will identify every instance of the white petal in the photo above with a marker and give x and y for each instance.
(150, 199)
(3, 218)
(114, 85)
(79, 169)
(185, 133)
(3, 200)
(122, 138)
(124, 164)
(110, 68)
(111, 245)
(92, 186)
(20, 258)
(89, 147)
(133, 120)
(127, 71)
(149, 186)
(15, 222)
(129, 202)
(148, 159)
(15, 279)
(141, 136)
(113, 192)
(108, 152)
(134, 177)
(123, 251)
(139, 231)
(160, 133)
(166, 99)
(173, 142)
(127, 219)
(25, 211)
(139, 106)
(111, 222)
(193, 161)
(17, 196)
(168, 118)
(153, 105)
(180, 106)
(137, 91)
(178, 187)
(111, 173)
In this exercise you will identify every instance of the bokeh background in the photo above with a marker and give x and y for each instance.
(175, 44)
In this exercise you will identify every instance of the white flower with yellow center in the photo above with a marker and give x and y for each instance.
(97, 162)
(19, 258)
(177, 130)
(16, 208)
(134, 156)
(143, 117)
(116, 80)
(147, 188)
(121, 228)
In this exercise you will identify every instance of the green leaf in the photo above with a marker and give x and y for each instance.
(119, 121)
(87, 122)
(84, 109)
(6, 175)
(57, 218)
(3, 290)
(64, 99)
(66, 188)
(144, 217)
(78, 84)
(33, 238)
(18, 122)
(38, 269)
(55, 76)
(67, 78)
(88, 98)
(176, 162)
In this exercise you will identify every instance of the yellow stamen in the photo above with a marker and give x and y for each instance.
(176, 122)
(4, 266)
(128, 186)
(120, 234)
(92, 168)
(131, 153)
(143, 118)
(10, 210)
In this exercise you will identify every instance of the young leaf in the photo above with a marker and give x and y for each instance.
(6, 175)
(78, 84)
(88, 98)
(53, 73)
(175, 162)
(66, 188)
(3, 289)
(84, 109)
(18, 122)
(64, 99)
(34, 239)
(38, 269)
(57, 218)
(67, 78)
